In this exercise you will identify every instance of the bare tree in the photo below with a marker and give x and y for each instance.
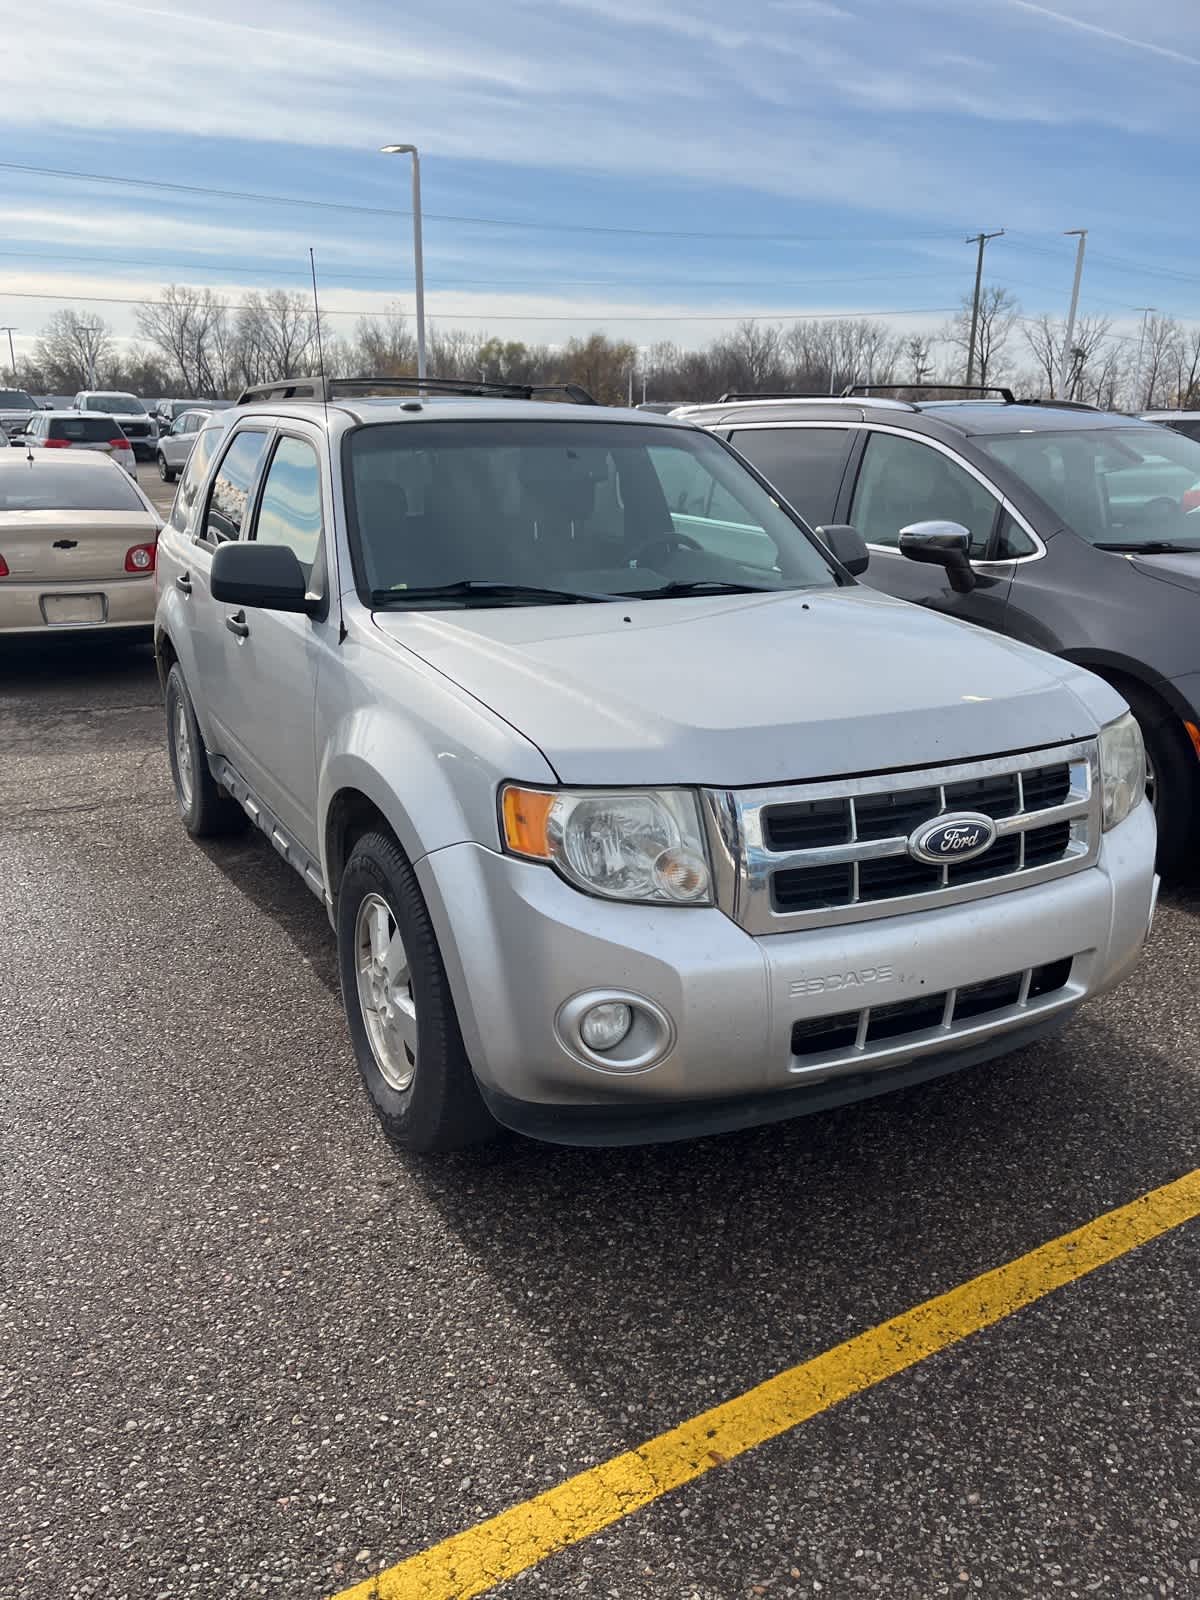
(998, 312)
(75, 351)
(190, 328)
(1159, 359)
(917, 354)
(276, 336)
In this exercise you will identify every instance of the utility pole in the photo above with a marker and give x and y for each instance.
(981, 240)
(12, 359)
(1080, 234)
(1137, 374)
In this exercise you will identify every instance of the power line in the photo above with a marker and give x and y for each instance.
(570, 316)
(483, 222)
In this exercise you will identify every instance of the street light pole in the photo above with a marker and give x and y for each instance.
(418, 260)
(1080, 234)
(981, 240)
(12, 359)
(1137, 375)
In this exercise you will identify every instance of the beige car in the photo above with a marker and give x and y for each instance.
(78, 544)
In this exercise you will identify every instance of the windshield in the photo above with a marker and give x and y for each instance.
(1125, 487)
(16, 400)
(599, 508)
(91, 483)
(114, 402)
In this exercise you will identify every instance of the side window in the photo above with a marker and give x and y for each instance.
(1012, 542)
(290, 510)
(806, 465)
(229, 498)
(193, 479)
(902, 481)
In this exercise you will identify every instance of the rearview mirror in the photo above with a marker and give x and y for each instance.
(265, 575)
(848, 546)
(942, 544)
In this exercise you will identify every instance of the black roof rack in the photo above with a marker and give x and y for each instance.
(866, 389)
(319, 388)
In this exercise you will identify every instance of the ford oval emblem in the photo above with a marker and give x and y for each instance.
(949, 840)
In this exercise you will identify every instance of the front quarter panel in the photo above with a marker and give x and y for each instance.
(426, 753)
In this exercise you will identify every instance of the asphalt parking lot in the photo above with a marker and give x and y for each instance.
(247, 1349)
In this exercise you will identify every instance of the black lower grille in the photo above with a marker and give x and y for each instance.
(896, 875)
(1001, 858)
(818, 1036)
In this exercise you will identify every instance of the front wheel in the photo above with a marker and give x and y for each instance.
(399, 1006)
(1172, 780)
(165, 472)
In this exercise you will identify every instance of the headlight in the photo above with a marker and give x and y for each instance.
(645, 845)
(1122, 768)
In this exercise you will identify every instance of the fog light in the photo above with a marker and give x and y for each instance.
(604, 1026)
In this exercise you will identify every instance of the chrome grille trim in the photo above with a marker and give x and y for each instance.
(745, 866)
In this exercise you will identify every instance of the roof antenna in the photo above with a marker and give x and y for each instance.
(312, 262)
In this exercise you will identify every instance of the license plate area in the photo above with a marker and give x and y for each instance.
(74, 610)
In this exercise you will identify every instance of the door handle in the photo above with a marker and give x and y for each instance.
(184, 583)
(237, 624)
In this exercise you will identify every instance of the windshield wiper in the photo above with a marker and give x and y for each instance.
(484, 589)
(704, 586)
(1154, 547)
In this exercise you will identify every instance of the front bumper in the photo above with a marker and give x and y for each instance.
(518, 942)
(127, 606)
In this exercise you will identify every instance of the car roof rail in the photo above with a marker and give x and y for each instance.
(1059, 405)
(768, 394)
(319, 388)
(866, 389)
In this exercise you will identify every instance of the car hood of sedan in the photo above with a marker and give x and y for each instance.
(753, 689)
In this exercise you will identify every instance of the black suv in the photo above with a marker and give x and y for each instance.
(1068, 528)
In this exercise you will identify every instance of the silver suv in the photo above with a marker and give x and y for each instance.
(636, 816)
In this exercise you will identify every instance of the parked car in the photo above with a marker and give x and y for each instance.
(16, 408)
(631, 823)
(77, 430)
(175, 445)
(138, 426)
(1074, 530)
(1185, 422)
(78, 541)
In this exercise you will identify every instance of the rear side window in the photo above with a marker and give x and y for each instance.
(903, 481)
(806, 465)
(193, 478)
(290, 510)
(85, 430)
(229, 500)
(1190, 428)
(46, 486)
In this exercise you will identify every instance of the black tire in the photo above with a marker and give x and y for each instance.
(166, 473)
(1176, 779)
(207, 811)
(441, 1108)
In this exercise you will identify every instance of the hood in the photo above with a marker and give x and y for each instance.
(1181, 570)
(752, 689)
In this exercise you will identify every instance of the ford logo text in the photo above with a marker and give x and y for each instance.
(952, 839)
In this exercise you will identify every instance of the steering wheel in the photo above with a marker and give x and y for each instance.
(1160, 510)
(664, 544)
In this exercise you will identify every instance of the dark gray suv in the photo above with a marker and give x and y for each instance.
(1067, 528)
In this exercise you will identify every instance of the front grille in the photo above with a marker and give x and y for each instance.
(839, 852)
(953, 1008)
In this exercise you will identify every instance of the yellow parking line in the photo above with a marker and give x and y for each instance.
(471, 1562)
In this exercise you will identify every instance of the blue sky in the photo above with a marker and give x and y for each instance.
(763, 156)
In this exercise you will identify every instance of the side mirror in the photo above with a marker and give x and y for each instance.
(848, 546)
(264, 575)
(943, 544)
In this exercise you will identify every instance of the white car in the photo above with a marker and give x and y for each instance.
(74, 430)
(138, 426)
(175, 443)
